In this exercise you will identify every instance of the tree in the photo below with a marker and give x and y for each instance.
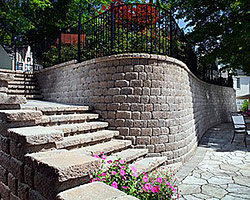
(33, 20)
(220, 29)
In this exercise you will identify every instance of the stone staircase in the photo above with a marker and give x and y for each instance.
(55, 144)
(25, 85)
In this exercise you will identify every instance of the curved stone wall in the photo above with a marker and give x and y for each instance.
(153, 100)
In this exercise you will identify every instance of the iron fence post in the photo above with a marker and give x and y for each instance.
(171, 33)
(60, 46)
(112, 28)
(15, 59)
(79, 39)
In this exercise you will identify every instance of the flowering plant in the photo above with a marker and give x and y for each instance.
(146, 186)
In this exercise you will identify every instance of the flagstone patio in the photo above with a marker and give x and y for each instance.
(219, 170)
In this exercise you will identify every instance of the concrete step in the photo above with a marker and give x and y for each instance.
(96, 190)
(129, 155)
(66, 119)
(72, 129)
(24, 91)
(86, 139)
(55, 110)
(148, 164)
(112, 146)
(23, 87)
(27, 79)
(22, 83)
(29, 96)
(22, 75)
(59, 170)
(35, 135)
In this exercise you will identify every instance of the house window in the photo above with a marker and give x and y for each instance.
(238, 83)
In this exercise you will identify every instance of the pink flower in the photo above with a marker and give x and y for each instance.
(159, 180)
(145, 179)
(156, 189)
(122, 167)
(147, 186)
(103, 174)
(103, 157)
(121, 162)
(125, 187)
(113, 173)
(97, 179)
(102, 153)
(96, 156)
(133, 169)
(109, 161)
(114, 184)
(135, 175)
(122, 172)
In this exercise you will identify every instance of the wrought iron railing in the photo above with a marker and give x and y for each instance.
(125, 28)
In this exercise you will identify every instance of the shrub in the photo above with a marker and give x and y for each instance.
(145, 186)
(244, 107)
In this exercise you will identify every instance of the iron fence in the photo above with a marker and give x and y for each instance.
(125, 28)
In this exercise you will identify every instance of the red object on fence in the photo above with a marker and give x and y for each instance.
(70, 38)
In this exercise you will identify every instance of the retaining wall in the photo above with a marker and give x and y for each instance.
(153, 100)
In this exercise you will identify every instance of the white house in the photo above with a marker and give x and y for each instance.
(241, 83)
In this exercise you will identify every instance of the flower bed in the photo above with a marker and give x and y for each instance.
(117, 173)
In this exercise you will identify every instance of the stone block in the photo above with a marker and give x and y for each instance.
(4, 191)
(12, 183)
(29, 176)
(23, 191)
(3, 175)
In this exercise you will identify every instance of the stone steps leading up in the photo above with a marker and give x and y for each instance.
(58, 146)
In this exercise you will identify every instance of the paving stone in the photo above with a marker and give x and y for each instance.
(186, 189)
(238, 189)
(218, 180)
(194, 181)
(214, 191)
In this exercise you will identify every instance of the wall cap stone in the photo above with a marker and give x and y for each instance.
(129, 56)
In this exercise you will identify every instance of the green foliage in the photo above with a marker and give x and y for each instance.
(157, 185)
(34, 20)
(244, 107)
(220, 29)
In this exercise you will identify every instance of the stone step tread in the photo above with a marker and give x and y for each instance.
(24, 75)
(128, 155)
(22, 91)
(28, 96)
(80, 127)
(82, 139)
(20, 115)
(95, 190)
(17, 78)
(67, 118)
(23, 87)
(35, 135)
(107, 147)
(22, 83)
(148, 164)
(54, 109)
(63, 164)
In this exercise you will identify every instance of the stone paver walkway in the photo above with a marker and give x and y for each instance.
(220, 170)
